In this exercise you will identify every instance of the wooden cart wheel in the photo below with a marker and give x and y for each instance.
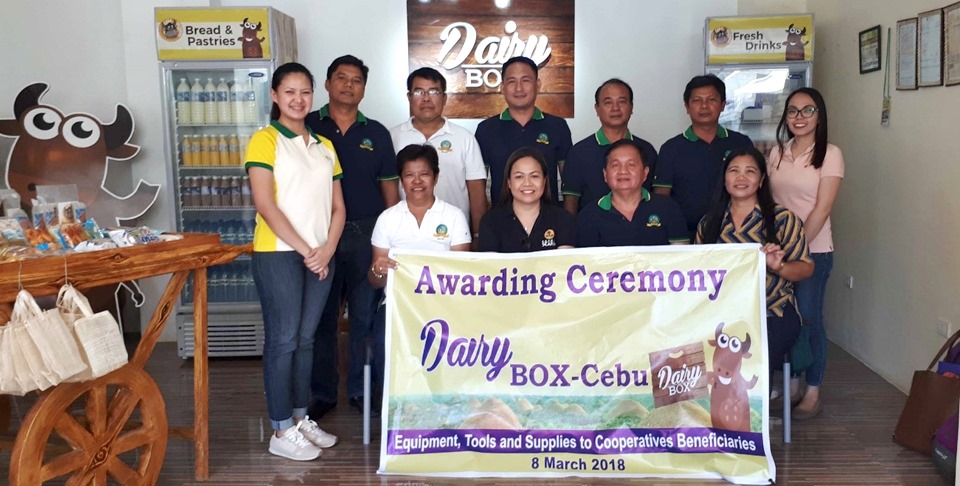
(113, 426)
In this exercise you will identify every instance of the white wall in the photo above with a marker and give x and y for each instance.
(894, 223)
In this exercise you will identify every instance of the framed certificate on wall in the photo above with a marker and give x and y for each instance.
(930, 48)
(870, 50)
(907, 54)
(951, 44)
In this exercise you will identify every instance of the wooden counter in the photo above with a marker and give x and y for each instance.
(105, 429)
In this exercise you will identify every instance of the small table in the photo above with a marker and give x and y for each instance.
(99, 428)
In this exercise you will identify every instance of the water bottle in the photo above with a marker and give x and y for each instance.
(183, 103)
(236, 99)
(196, 103)
(210, 103)
(224, 109)
(215, 284)
(249, 103)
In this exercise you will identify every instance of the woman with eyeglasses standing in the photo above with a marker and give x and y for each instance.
(805, 175)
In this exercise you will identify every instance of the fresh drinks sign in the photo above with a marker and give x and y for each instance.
(589, 362)
(469, 42)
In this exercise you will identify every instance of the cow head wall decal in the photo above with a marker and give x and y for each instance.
(54, 148)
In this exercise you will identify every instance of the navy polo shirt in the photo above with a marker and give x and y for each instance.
(693, 170)
(501, 231)
(656, 221)
(583, 170)
(500, 135)
(366, 156)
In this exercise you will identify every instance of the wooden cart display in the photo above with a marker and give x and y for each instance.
(121, 413)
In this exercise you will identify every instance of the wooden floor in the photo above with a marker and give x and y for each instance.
(849, 444)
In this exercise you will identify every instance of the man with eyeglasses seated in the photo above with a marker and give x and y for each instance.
(464, 176)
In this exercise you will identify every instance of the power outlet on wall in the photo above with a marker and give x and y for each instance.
(944, 327)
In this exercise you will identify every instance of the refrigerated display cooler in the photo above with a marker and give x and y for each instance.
(761, 60)
(215, 68)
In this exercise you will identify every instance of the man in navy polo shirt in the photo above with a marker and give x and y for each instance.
(370, 184)
(583, 171)
(522, 124)
(690, 165)
(629, 215)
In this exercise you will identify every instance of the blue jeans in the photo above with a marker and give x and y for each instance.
(291, 299)
(353, 259)
(810, 294)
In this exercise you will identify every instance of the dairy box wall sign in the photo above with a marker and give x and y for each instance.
(468, 43)
(772, 39)
(212, 34)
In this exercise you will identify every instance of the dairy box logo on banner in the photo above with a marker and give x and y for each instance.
(773, 39)
(469, 41)
(231, 33)
(616, 362)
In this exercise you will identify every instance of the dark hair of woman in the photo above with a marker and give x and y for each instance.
(506, 197)
(415, 151)
(280, 74)
(713, 221)
(820, 136)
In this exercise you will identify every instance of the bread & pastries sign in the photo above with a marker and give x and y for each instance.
(469, 42)
(194, 33)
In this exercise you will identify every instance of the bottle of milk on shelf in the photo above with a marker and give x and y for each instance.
(236, 100)
(223, 103)
(183, 102)
(249, 103)
(210, 104)
(196, 102)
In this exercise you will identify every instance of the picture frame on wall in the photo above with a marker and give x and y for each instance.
(951, 44)
(907, 54)
(870, 50)
(930, 48)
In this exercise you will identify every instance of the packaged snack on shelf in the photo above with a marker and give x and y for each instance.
(124, 237)
(12, 253)
(66, 212)
(39, 235)
(93, 230)
(95, 245)
(71, 234)
(12, 232)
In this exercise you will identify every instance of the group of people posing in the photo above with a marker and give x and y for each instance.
(335, 191)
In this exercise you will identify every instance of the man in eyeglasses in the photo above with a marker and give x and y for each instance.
(690, 165)
(463, 177)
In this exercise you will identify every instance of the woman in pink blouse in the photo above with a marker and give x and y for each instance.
(805, 175)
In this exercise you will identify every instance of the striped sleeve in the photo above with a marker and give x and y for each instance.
(262, 150)
(792, 239)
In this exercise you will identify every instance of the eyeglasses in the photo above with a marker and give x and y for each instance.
(419, 93)
(805, 112)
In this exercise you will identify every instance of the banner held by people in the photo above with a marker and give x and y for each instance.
(609, 362)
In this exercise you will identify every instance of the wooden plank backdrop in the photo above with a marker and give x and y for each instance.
(550, 18)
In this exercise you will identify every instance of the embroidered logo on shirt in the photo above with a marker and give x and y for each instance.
(653, 221)
(441, 231)
(366, 144)
(548, 241)
(543, 138)
(446, 146)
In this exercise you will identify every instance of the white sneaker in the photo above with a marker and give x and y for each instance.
(316, 435)
(293, 445)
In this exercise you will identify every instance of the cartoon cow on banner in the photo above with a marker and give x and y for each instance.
(729, 401)
(795, 44)
(249, 42)
(52, 148)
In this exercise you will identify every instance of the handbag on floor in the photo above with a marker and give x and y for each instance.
(98, 334)
(932, 399)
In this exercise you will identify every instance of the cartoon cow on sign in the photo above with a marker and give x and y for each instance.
(795, 44)
(249, 42)
(729, 403)
(52, 149)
